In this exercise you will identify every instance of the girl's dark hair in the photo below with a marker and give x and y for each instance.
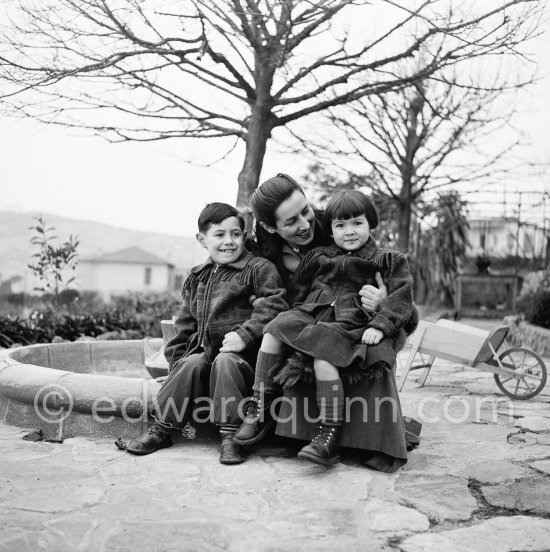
(270, 194)
(347, 204)
(216, 213)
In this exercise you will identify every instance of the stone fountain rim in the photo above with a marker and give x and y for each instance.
(22, 382)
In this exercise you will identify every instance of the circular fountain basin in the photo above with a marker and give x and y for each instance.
(84, 388)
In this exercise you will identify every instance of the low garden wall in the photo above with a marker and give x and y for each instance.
(527, 335)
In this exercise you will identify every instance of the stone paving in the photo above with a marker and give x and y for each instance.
(479, 481)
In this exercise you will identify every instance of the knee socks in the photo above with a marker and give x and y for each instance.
(266, 367)
(330, 400)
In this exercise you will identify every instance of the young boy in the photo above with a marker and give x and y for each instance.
(226, 303)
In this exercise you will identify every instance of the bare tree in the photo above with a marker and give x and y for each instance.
(156, 69)
(427, 138)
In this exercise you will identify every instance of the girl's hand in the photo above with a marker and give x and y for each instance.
(372, 296)
(232, 343)
(372, 336)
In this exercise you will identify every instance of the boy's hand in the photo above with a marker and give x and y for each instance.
(372, 336)
(253, 300)
(232, 343)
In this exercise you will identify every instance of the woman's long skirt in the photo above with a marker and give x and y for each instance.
(373, 421)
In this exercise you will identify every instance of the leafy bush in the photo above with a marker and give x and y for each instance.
(16, 331)
(43, 326)
(536, 307)
(135, 315)
(16, 299)
(148, 308)
(13, 303)
(88, 301)
(532, 282)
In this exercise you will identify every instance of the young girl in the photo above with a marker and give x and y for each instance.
(330, 324)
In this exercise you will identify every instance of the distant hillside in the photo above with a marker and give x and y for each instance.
(95, 238)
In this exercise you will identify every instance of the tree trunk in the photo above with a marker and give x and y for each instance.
(404, 224)
(407, 169)
(259, 131)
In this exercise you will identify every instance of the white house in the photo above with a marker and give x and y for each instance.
(130, 269)
(500, 236)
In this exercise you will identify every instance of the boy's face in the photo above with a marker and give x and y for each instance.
(350, 234)
(224, 242)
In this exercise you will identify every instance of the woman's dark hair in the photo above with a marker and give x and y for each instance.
(216, 213)
(264, 202)
(270, 194)
(348, 204)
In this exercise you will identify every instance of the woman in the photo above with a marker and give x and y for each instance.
(287, 228)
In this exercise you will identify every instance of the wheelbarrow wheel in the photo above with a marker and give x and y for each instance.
(531, 369)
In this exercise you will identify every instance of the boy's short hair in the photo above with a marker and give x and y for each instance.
(347, 204)
(216, 213)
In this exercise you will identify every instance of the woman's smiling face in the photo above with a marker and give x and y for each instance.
(295, 220)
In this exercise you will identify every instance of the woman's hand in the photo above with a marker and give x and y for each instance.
(372, 296)
(372, 336)
(232, 343)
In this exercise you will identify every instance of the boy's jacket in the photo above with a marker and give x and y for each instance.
(242, 296)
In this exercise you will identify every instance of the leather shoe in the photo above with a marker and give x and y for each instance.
(323, 449)
(257, 422)
(231, 452)
(155, 439)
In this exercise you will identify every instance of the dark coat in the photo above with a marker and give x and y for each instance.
(241, 297)
(331, 275)
(327, 279)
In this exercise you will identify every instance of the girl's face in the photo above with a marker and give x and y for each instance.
(350, 234)
(294, 220)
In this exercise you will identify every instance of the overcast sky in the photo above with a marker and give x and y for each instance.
(149, 186)
(145, 186)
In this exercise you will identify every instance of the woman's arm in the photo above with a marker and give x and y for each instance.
(372, 296)
(396, 310)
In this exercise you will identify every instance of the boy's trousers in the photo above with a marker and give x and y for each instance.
(199, 391)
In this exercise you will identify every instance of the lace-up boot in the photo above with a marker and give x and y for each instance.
(323, 449)
(257, 421)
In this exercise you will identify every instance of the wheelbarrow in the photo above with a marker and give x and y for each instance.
(519, 372)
